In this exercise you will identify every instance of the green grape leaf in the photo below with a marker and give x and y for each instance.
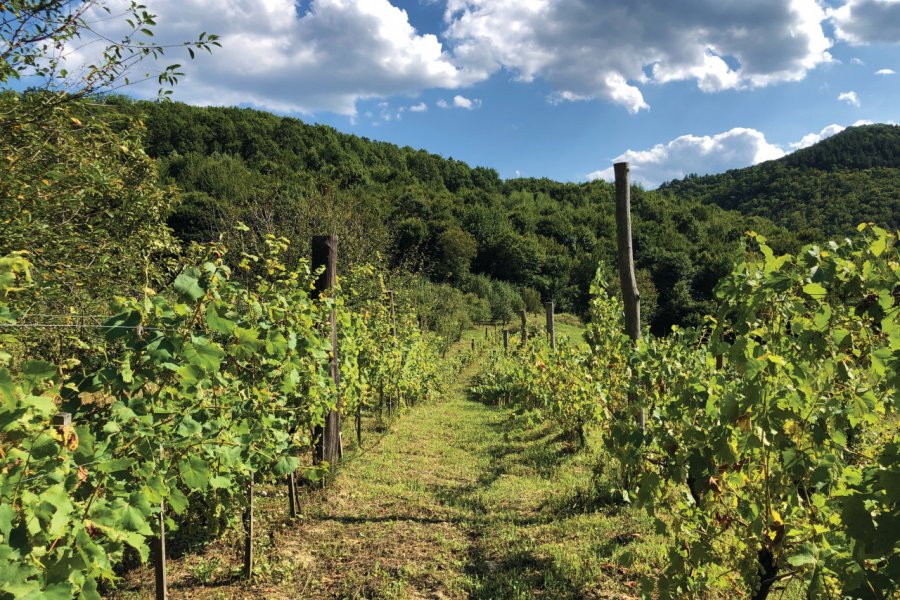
(178, 502)
(806, 554)
(285, 465)
(204, 354)
(194, 473)
(187, 284)
(217, 323)
(815, 290)
(189, 427)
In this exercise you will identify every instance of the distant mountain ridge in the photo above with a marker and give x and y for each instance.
(830, 187)
(861, 147)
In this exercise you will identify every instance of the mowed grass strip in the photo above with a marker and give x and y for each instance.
(454, 500)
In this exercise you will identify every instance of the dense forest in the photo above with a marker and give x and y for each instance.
(824, 190)
(511, 243)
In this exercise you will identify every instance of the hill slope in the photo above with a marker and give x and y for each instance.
(824, 190)
(505, 241)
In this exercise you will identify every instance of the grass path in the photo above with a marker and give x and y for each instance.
(456, 500)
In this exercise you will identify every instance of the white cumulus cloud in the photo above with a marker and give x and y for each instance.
(860, 22)
(739, 147)
(587, 49)
(460, 102)
(420, 107)
(851, 98)
(885, 72)
(707, 154)
(326, 55)
(466, 103)
(813, 138)
(324, 59)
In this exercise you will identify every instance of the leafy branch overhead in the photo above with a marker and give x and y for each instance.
(59, 46)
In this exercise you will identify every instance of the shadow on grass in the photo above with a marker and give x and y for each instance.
(520, 574)
(589, 499)
(350, 520)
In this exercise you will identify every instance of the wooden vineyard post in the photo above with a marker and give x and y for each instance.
(524, 317)
(505, 340)
(630, 294)
(159, 550)
(473, 344)
(248, 532)
(551, 327)
(359, 426)
(324, 254)
(390, 295)
(292, 494)
(391, 401)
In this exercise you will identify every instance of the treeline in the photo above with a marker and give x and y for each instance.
(820, 191)
(510, 243)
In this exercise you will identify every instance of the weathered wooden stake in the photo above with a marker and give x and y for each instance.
(359, 426)
(506, 339)
(390, 295)
(292, 495)
(551, 326)
(159, 549)
(630, 294)
(248, 532)
(524, 317)
(473, 344)
(324, 253)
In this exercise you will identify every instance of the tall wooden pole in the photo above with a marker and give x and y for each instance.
(506, 339)
(551, 328)
(324, 253)
(630, 294)
(524, 317)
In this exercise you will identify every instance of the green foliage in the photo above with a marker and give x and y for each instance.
(770, 447)
(81, 198)
(456, 250)
(425, 212)
(859, 147)
(773, 464)
(195, 391)
(37, 38)
(823, 190)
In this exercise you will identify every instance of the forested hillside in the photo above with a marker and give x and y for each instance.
(824, 190)
(502, 240)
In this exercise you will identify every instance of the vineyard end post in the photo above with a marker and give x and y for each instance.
(630, 294)
(324, 254)
(551, 327)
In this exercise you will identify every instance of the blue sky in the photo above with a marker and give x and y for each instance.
(555, 88)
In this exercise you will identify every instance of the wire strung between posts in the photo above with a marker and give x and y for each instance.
(85, 326)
